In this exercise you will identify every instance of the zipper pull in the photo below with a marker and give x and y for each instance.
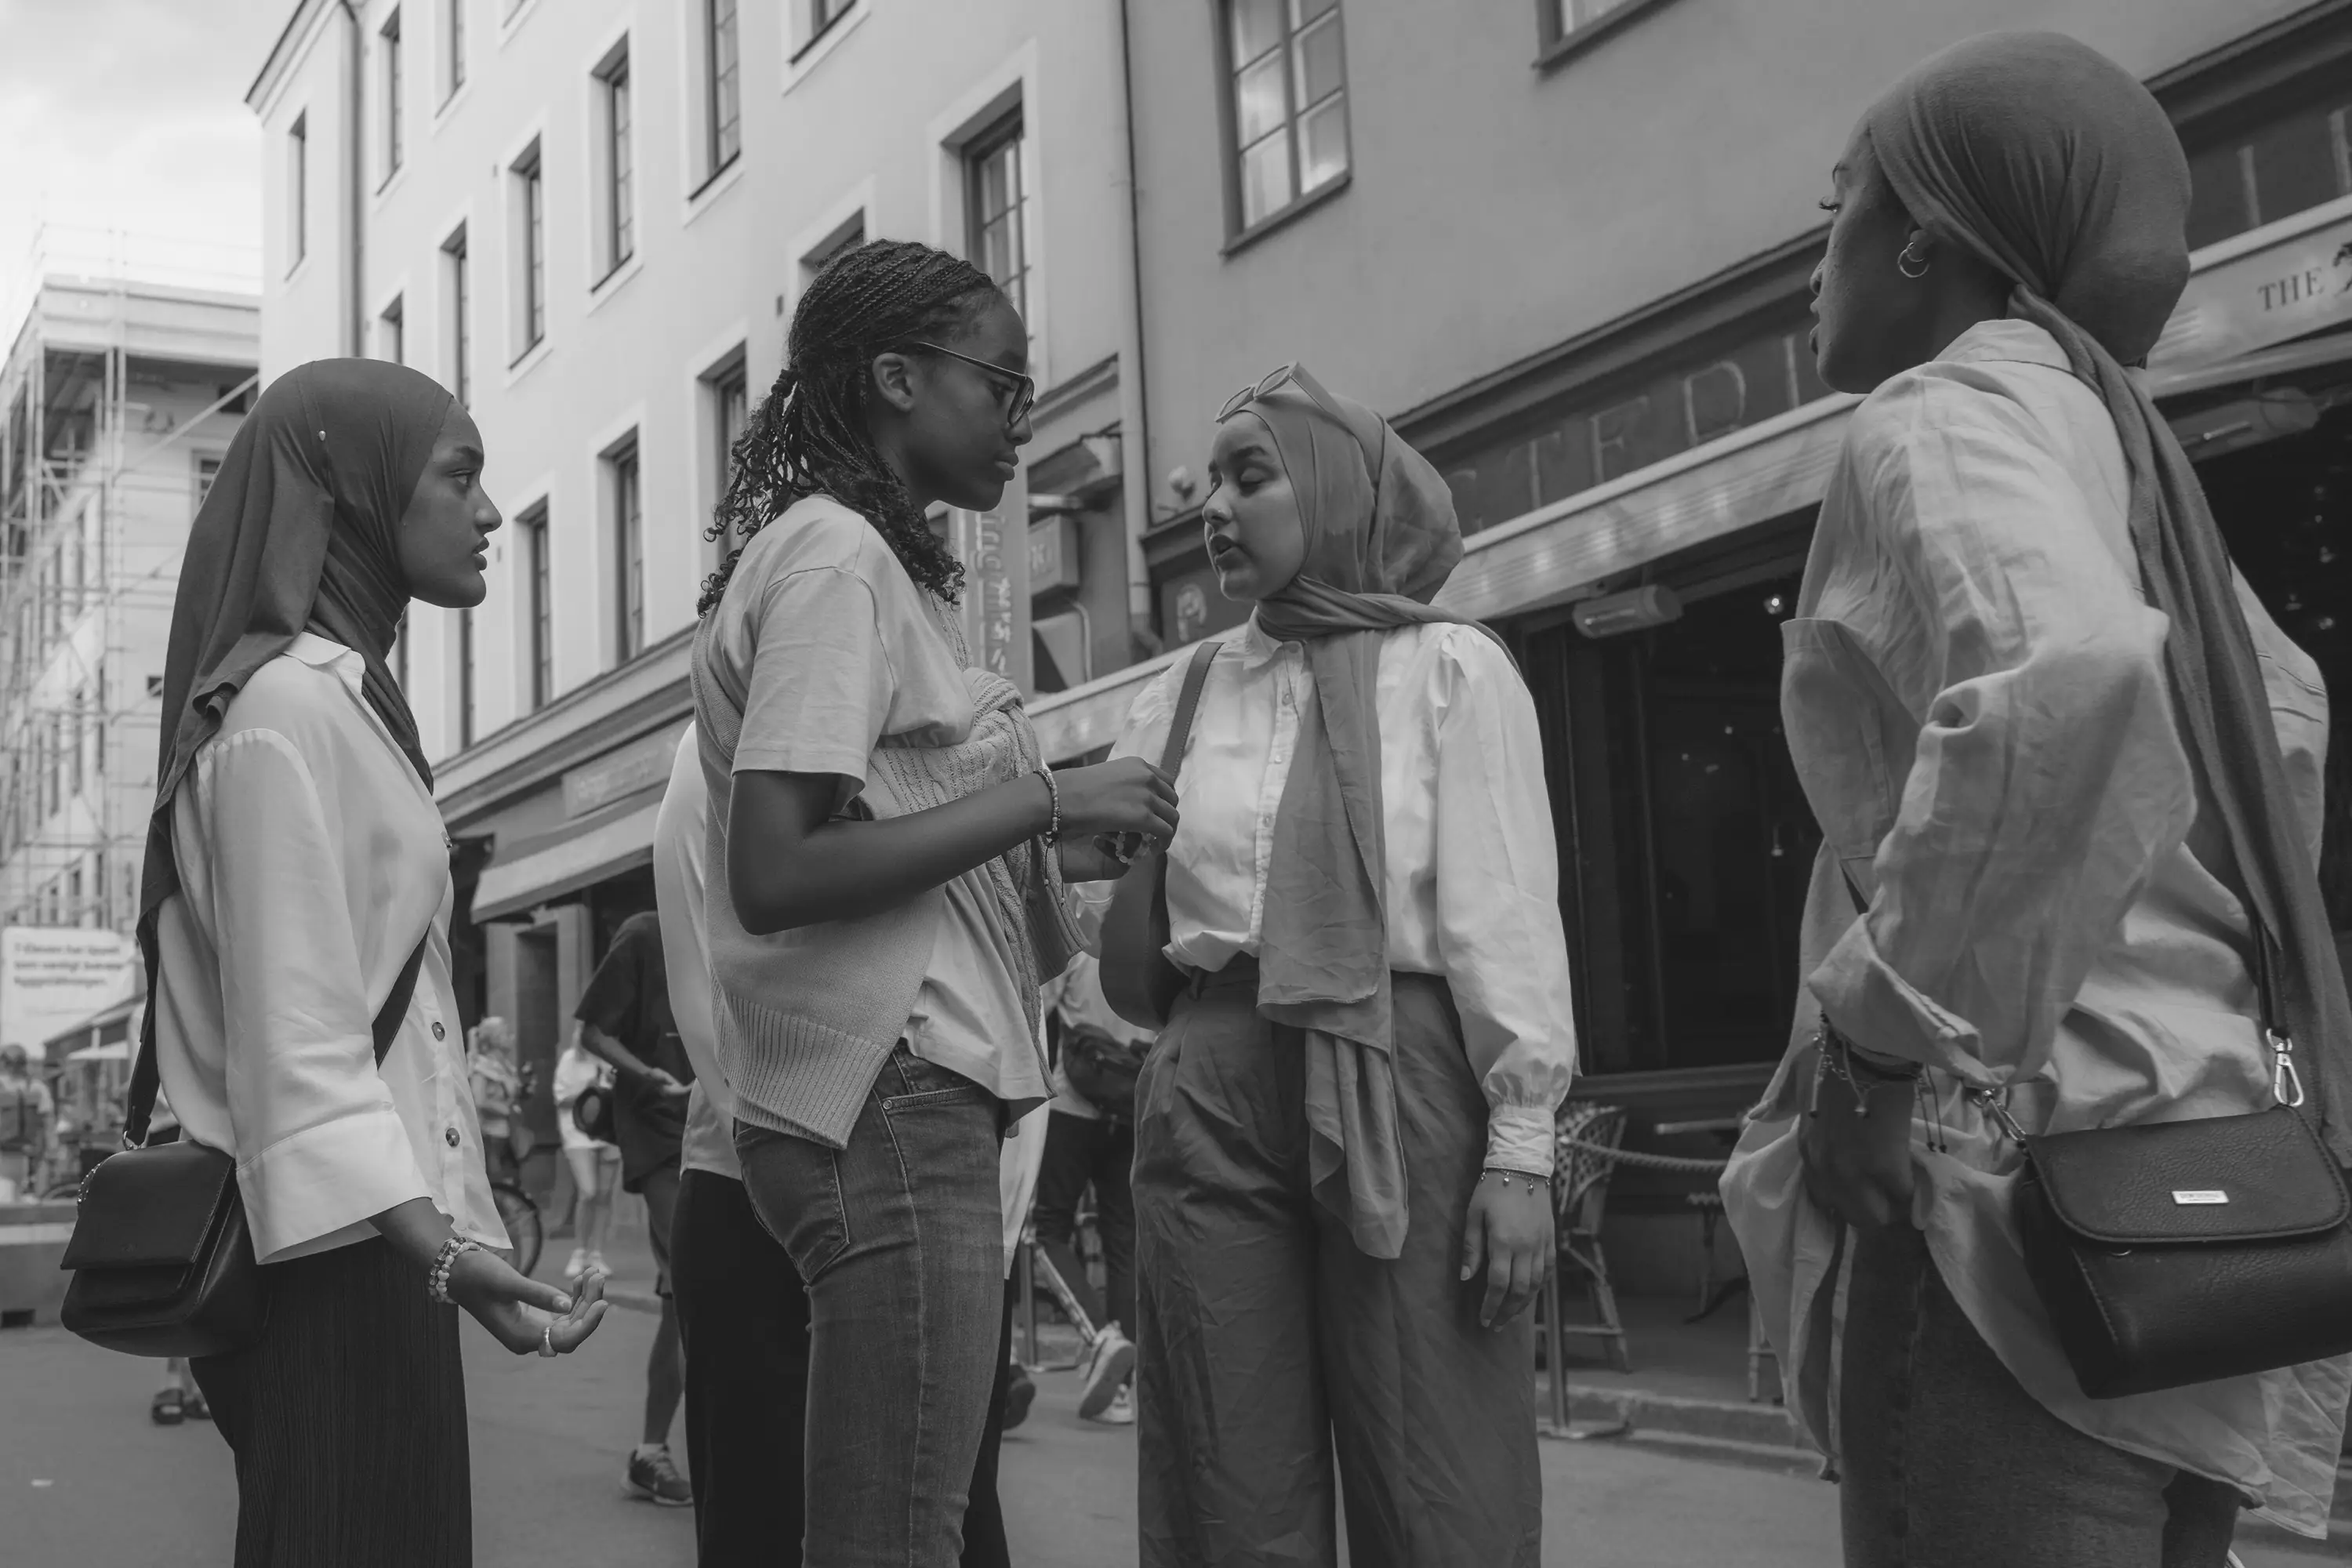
(2287, 1083)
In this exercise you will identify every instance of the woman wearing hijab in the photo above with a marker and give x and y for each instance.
(1343, 1138)
(2059, 753)
(297, 878)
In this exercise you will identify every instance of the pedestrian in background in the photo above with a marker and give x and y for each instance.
(625, 1018)
(890, 901)
(498, 1089)
(595, 1164)
(2058, 750)
(1087, 1145)
(25, 1109)
(296, 880)
(1343, 1137)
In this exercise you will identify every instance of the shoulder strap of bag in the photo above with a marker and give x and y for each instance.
(146, 1077)
(1188, 703)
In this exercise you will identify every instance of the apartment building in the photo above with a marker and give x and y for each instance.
(592, 219)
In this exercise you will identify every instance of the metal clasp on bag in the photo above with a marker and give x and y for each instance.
(2287, 1083)
(1995, 1106)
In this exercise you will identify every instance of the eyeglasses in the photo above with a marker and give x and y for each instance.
(1024, 388)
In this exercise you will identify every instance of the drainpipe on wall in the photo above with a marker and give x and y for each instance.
(1134, 407)
(355, 188)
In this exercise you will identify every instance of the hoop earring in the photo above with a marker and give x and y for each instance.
(1910, 265)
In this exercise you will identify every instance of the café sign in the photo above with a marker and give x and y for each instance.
(2286, 282)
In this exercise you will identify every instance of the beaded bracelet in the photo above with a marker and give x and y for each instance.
(436, 1282)
(1505, 1176)
(1054, 794)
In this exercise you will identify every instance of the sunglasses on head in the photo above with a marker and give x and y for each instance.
(1024, 388)
(1274, 381)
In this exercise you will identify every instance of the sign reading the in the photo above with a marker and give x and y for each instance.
(52, 977)
(2299, 283)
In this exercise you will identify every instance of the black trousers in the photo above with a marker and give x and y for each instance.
(745, 1317)
(745, 1321)
(348, 1419)
(1079, 1152)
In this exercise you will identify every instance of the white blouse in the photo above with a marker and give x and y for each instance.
(312, 858)
(1975, 702)
(1473, 892)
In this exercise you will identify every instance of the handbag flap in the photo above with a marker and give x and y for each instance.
(150, 1207)
(2259, 1177)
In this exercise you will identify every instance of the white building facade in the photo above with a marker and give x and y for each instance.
(591, 220)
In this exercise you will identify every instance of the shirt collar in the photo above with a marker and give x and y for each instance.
(1254, 647)
(2021, 342)
(325, 653)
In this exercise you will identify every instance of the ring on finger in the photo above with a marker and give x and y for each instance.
(547, 1338)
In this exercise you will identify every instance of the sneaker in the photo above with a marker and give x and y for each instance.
(1108, 1365)
(576, 1265)
(653, 1476)
(1020, 1393)
(1120, 1411)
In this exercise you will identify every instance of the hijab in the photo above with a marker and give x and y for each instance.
(1381, 539)
(2050, 162)
(298, 532)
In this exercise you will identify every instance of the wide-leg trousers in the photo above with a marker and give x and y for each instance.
(1269, 1346)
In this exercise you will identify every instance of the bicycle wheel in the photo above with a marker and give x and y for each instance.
(521, 1218)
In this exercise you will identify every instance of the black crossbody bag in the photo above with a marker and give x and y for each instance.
(2178, 1252)
(1138, 980)
(162, 1257)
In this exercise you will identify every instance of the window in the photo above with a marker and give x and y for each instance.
(997, 204)
(1560, 18)
(723, 75)
(454, 37)
(529, 222)
(388, 50)
(464, 678)
(727, 399)
(616, 215)
(848, 237)
(455, 269)
(1289, 103)
(536, 605)
(207, 470)
(298, 190)
(392, 332)
(628, 553)
(817, 18)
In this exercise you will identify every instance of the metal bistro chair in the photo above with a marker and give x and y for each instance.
(1584, 1132)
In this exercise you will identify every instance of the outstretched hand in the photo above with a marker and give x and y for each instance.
(521, 1312)
(1508, 1236)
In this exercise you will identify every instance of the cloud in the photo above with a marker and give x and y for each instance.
(130, 115)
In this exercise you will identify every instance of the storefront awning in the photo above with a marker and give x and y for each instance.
(603, 843)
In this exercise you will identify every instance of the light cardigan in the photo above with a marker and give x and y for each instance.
(805, 1018)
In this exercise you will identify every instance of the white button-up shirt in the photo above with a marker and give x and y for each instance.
(312, 858)
(1976, 701)
(1473, 887)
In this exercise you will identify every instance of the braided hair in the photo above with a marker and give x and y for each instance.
(809, 435)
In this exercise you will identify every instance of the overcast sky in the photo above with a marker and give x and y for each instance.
(130, 114)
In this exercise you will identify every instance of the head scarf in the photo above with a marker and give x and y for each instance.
(1381, 539)
(298, 532)
(2050, 162)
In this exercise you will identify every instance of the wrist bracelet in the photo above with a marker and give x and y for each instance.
(1053, 795)
(437, 1281)
(1504, 1175)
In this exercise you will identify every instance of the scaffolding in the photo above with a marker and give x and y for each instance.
(97, 485)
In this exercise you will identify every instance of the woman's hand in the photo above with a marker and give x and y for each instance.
(1126, 795)
(1858, 1168)
(522, 1313)
(1508, 1234)
(1088, 860)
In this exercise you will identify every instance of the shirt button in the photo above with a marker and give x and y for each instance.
(439, 1033)
(452, 1136)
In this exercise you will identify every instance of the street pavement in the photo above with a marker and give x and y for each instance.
(86, 1482)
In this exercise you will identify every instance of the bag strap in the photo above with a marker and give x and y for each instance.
(1188, 703)
(146, 1077)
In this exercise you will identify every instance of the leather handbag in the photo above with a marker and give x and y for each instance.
(591, 1113)
(1102, 1070)
(161, 1255)
(2178, 1252)
(1137, 979)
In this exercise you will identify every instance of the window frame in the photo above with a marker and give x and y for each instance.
(725, 380)
(538, 606)
(809, 31)
(298, 185)
(527, 225)
(1008, 132)
(389, 71)
(453, 52)
(204, 467)
(457, 264)
(1241, 230)
(614, 190)
(393, 321)
(718, 157)
(626, 538)
(467, 694)
(1558, 42)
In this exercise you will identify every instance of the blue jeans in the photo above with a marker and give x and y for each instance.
(900, 1243)
(1950, 1463)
